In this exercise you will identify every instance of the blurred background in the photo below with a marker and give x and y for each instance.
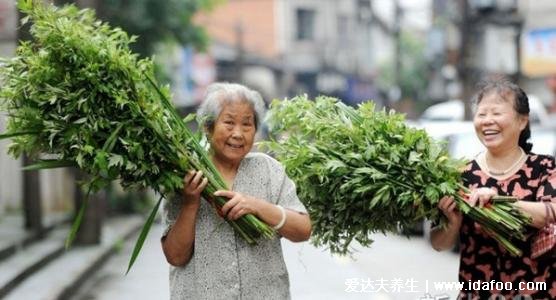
(421, 58)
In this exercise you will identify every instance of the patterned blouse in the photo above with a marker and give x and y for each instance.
(223, 265)
(483, 259)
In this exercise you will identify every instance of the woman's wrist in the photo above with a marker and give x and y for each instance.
(283, 217)
(454, 225)
(190, 203)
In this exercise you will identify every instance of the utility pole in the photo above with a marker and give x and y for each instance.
(240, 50)
(466, 30)
(395, 92)
(397, 41)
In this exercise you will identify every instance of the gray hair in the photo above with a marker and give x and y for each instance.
(221, 93)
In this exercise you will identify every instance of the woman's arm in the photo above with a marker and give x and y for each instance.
(177, 245)
(296, 226)
(445, 238)
(546, 193)
(537, 211)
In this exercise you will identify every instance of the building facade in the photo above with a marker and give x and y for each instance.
(286, 47)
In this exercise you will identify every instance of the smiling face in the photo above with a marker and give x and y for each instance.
(233, 133)
(497, 123)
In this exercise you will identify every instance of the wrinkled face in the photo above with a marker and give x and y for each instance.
(497, 124)
(234, 132)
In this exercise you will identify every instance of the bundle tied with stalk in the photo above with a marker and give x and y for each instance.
(76, 93)
(361, 171)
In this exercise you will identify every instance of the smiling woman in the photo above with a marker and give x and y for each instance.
(231, 115)
(509, 168)
(208, 260)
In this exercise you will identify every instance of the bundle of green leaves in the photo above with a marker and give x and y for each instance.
(77, 93)
(361, 171)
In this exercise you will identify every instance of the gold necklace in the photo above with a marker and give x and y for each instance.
(501, 173)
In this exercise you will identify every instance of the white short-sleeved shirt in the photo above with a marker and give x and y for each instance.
(223, 265)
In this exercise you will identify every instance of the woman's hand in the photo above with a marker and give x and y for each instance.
(481, 196)
(238, 205)
(448, 206)
(444, 238)
(193, 185)
(177, 245)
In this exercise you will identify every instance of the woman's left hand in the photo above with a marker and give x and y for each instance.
(238, 205)
(481, 196)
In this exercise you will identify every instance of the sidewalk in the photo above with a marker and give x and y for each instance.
(44, 270)
(13, 236)
(148, 279)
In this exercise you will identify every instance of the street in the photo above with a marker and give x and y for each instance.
(393, 268)
(384, 102)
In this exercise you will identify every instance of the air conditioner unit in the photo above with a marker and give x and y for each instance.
(500, 5)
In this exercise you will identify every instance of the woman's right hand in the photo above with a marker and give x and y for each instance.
(178, 243)
(193, 185)
(444, 238)
(449, 207)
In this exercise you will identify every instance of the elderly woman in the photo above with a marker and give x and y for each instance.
(209, 260)
(507, 167)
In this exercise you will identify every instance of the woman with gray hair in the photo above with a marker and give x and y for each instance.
(210, 261)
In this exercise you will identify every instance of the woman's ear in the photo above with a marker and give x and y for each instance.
(208, 129)
(524, 120)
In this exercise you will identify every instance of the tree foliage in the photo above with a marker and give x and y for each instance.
(155, 21)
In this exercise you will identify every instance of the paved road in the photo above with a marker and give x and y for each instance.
(147, 280)
(393, 268)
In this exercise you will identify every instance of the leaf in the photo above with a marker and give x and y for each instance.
(414, 157)
(143, 235)
(77, 222)
(101, 161)
(14, 134)
(25, 5)
(49, 164)
(80, 120)
(111, 141)
(115, 160)
(189, 118)
(333, 165)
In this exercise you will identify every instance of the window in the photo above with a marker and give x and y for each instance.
(342, 27)
(305, 24)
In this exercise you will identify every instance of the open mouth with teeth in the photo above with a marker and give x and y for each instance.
(490, 132)
(234, 146)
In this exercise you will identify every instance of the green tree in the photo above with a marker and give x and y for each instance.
(155, 21)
